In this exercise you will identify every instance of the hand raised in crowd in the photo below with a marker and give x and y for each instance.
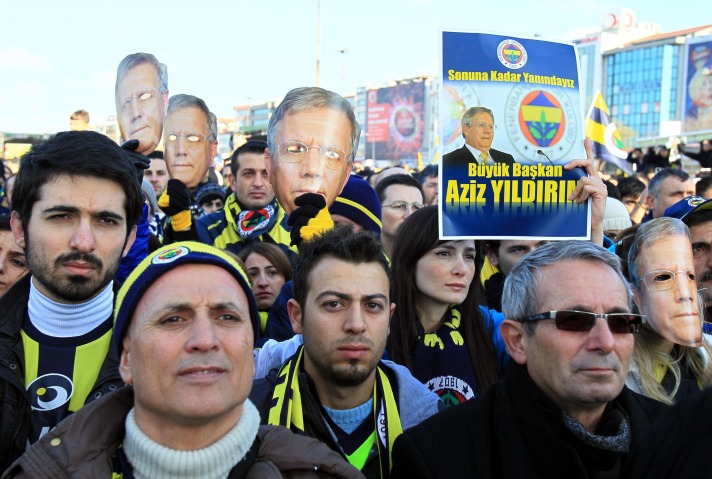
(590, 186)
(139, 161)
(175, 202)
(310, 218)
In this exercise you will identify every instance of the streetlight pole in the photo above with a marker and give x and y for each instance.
(318, 43)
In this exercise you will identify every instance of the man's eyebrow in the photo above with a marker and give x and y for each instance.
(61, 209)
(348, 297)
(586, 309)
(370, 297)
(108, 214)
(330, 292)
(74, 209)
(186, 306)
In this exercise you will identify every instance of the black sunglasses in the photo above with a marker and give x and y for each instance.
(583, 321)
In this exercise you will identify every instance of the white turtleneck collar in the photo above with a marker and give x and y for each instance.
(69, 320)
(152, 460)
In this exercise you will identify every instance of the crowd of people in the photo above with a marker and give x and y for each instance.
(306, 320)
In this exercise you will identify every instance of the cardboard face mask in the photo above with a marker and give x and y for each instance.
(668, 294)
(141, 101)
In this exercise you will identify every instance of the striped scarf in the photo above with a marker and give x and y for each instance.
(287, 411)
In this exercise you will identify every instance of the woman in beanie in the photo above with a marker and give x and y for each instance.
(438, 331)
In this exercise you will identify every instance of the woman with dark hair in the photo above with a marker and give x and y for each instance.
(268, 269)
(438, 330)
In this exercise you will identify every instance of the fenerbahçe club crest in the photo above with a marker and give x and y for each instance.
(541, 118)
(512, 54)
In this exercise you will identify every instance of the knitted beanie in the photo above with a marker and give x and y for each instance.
(209, 192)
(616, 217)
(359, 203)
(160, 262)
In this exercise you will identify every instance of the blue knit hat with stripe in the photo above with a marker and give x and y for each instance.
(359, 203)
(160, 262)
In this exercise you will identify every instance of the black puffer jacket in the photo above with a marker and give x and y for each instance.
(14, 404)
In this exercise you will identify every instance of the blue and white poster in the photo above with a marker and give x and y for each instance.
(510, 119)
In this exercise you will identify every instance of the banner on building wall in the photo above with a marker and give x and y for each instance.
(698, 87)
(502, 172)
(395, 122)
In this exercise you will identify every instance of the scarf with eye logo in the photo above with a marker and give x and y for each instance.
(287, 409)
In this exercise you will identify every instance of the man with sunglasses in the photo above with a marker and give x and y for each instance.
(562, 409)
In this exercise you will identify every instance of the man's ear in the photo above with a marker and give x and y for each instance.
(295, 315)
(650, 202)
(125, 362)
(18, 229)
(268, 164)
(515, 339)
(165, 102)
(213, 149)
(129, 241)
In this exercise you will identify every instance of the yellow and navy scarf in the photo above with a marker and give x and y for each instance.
(252, 224)
(287, 410)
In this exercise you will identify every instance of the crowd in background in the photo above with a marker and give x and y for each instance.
(296, 315)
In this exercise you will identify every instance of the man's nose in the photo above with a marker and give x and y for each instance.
(135, 109)
(409, 210)
(600, 337)
(313, 165)
(258, 180)
(355, 322)
(684, 289)
(203, 336)
(83, 238)
(181, 145)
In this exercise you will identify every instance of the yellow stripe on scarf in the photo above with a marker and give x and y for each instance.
(393, 422)
(292, 414)
(286, 409)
